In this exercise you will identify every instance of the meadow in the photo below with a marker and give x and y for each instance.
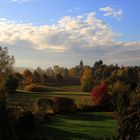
(72, 92)
(78, 126)
(72, 126)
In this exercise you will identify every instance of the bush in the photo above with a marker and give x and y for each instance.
(59, 78)
(27, 120)
(36, 88)
(129, 115)
(64, 105)
(86, 86)
(57, 104)
(100, 96)
(10, 83)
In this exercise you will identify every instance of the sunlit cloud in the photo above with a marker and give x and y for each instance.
(85, 34)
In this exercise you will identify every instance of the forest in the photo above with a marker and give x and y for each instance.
(83, 102)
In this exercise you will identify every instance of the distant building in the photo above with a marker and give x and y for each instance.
(81, 64)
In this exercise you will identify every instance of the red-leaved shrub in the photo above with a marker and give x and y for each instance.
(99, 95)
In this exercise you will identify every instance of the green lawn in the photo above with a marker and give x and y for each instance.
(78, 126)
(60, 88)
(24, 97)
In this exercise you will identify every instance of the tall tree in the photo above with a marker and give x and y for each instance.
(27, 77)
(6, 65)
(87, 79)
(73, 72)
(44, 78)
(6, 62)
(36, 77)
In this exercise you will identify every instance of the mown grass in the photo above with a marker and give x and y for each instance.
(78, 126)
(69, 91)
(25, 98)
(62, 88)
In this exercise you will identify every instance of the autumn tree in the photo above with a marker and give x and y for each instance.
(6, 65)
(73, 72)
(87, 79)
(44, 78)
(100, 96)
(115, 89)
(27, 77)
(128, 74)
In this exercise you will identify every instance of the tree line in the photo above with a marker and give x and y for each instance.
(111, 87)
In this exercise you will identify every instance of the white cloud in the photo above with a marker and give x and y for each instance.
(85, 34)
(113, 12)
(84, 31)
(69, 32)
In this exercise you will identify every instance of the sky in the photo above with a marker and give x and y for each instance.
(62, 32)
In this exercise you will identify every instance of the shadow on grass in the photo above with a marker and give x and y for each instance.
(52, 133)
(66, 127)
(87, 117)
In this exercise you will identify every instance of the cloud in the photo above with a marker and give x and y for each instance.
(84, 31)
(109, 11)
(85, 34)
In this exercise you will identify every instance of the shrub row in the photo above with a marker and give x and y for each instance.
(57, 104)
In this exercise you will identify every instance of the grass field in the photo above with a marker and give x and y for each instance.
(73, 92)
(27, 98)
(75, 126)
(78, 126)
